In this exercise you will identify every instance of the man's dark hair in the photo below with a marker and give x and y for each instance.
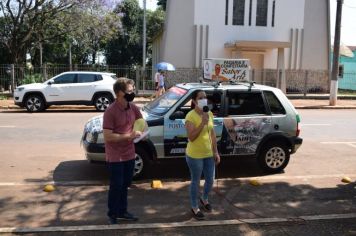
(121, 84)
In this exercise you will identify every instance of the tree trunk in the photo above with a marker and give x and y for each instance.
(93, 57)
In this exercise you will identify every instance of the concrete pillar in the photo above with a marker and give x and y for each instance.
(281, 75)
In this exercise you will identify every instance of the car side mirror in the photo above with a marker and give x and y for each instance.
(50, 82)
(177, 115)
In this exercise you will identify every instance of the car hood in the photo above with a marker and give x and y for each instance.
(95, 124)
(32, 86)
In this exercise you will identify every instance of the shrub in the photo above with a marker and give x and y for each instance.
(34, 78)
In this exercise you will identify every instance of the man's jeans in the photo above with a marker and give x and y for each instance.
(196, 168)
(121, 174)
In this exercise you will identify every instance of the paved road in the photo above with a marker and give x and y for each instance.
(36, 148)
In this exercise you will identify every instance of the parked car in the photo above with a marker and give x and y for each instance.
(68, 88)
(249, 120)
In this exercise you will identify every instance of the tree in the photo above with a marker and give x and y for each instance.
(126, 47)
(98, 25)
(162, 3)
(155, 21)
(4, 52)
(26, 21)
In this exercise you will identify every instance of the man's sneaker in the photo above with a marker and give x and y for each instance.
(112, 221)
(199, 215)
(127, 216)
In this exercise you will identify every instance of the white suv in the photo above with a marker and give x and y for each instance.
(68, 88)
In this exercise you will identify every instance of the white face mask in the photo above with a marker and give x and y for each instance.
(202, 103)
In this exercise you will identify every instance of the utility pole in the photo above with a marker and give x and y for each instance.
(144, 45)
(41, 53)
(335, 66)
(70, 56)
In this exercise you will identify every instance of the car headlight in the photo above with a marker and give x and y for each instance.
(91, 137)
(19, 89)
(100, 138)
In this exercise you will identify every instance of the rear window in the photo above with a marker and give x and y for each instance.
(87, 78)
(242, 103)
(275, 105)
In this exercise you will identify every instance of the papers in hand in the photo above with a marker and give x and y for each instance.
(142, 136)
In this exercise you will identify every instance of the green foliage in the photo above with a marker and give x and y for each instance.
(126, 48)
(32, 78)
(4, 51)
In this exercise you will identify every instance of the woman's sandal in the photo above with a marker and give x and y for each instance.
(199, 215)
(206, 206)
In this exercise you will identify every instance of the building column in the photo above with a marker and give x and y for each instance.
(281, 75)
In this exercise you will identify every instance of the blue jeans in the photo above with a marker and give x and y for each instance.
(196, 168)
(121, 174)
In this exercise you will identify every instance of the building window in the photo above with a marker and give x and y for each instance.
(273, 11)
(250, 14)
(227, 12)
(261, 12)
(238, 12)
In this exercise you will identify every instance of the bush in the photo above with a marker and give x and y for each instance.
(30, 79)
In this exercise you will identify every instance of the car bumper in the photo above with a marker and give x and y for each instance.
(94, 151)
(297, 142)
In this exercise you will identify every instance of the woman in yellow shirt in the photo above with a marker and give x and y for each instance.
(202, 153)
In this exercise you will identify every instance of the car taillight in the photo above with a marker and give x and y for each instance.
(298, 127)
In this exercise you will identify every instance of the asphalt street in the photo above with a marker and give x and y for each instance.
(40, 148)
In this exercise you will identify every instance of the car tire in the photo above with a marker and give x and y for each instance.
(102, 101)
(34, 103)
(274, 157)
(142, 162)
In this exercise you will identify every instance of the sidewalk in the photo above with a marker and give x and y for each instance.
(234, 202)
(311, 102)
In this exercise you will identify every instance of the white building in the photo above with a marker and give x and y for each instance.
(274, 34)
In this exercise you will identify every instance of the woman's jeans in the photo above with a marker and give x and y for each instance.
(120, 179)
(196, 168)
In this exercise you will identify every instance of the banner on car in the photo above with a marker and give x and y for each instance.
(226, 69)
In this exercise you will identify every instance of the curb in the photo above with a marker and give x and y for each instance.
(93, 109)
(86, 228)
(79, 107)
(325, 107)
(60, 107)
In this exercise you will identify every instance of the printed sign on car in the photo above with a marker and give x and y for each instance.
(226, 69)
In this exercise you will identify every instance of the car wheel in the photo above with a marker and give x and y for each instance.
(34, 103)
(102, 101)
(142, 162)
(274, 157)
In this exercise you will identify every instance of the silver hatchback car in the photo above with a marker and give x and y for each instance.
(249, 120)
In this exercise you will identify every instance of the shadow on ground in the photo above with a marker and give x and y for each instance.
(232, 198)
(172, 169)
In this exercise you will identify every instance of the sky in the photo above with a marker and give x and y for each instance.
(348, 21)
(150, 4)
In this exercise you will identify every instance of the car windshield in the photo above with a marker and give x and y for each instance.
(163, 103)
(113, 77)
